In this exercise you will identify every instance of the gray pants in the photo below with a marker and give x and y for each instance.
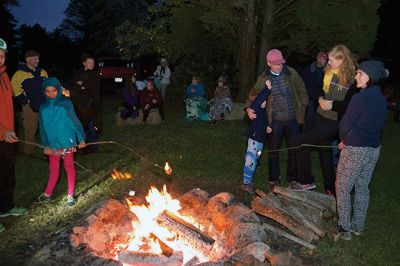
(163, 88)
(355, 169)
(30, 124)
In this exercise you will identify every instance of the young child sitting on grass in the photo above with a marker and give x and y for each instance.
(60, 132)
(257, 133)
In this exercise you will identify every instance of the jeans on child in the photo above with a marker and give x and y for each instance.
(253, 153)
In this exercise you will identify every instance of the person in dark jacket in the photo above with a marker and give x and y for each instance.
(61, 132)
(257, 133)
(360, 133)
(131, 100)
(27, 90)
(151, 98)
(312, 76)
(85, 94)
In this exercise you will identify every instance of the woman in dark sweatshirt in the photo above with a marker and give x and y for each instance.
(360, 133)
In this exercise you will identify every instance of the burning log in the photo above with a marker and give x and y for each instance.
(166, 250)
(142, 258)
(187, 232)
(268, 209)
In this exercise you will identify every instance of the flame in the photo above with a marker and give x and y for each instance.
(117, 175)
(167, 169)
(157, 202)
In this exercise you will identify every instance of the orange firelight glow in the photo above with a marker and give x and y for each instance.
(118, 175)
(141, 239)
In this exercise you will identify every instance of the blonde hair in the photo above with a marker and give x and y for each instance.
(347, 69)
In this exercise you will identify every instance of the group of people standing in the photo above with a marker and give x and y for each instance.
(350, 106)
(46, 105)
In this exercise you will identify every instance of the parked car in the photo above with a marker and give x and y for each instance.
(115, 70)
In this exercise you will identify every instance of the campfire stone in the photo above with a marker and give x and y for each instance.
(219, 202)
(244, 234)
(111, 223)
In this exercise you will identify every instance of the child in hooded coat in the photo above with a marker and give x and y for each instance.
(60, 131)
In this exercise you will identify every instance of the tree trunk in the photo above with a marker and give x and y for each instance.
(266, 33)
(247, 59)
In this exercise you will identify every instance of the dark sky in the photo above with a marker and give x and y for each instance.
(48, 13)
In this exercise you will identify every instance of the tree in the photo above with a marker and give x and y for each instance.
(93, 22)
(8, 32)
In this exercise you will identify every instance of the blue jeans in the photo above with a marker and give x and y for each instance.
(288, 129)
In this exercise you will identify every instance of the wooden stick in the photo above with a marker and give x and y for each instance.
(288, 236)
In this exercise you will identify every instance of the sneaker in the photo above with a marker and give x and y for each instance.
(357, 233)
(249, 188)
(14, 212)
(43, 198)
(2, 228)
(343, 234)
(300, 187)
(70, 202)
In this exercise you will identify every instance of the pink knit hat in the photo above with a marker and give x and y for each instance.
(275, 57)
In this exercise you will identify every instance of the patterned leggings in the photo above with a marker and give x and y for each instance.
(355, 168)
(253, 153)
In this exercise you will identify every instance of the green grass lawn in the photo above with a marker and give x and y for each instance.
(201, 155)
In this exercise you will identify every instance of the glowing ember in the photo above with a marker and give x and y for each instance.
(148, 233)
(167, 169)
(117, 175)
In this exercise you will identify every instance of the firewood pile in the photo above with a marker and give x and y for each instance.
(303, 213)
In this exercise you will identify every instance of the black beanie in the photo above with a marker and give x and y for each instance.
(374, 69)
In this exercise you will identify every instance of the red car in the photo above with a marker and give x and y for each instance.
(115, 70)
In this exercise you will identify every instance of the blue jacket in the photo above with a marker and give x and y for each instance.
(364, 118)
(198, 90)
(59, 125)
(258, 126)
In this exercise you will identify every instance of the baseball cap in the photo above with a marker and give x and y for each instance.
(275, 57)
(3, 45)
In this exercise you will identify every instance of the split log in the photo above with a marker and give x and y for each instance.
(286, 235)
(166, 250)
(267, 209)
(313, 215)
(294, 212)
(297, 196)
(142, 258)
(306, 221)
(327, 201)
(187, 232)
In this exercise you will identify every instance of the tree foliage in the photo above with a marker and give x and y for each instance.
(222, 37)
(93, 22)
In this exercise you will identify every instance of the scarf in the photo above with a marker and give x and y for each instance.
(328, 78)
